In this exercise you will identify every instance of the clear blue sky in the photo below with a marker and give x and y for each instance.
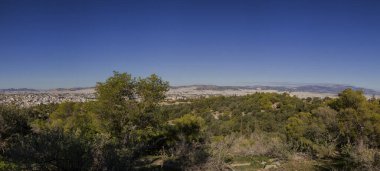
(51, 43)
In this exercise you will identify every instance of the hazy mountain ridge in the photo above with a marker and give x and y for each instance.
(57, 90)
(18, 90)
(334, 89)
(314, 88)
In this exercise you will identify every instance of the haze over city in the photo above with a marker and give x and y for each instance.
(52, 44)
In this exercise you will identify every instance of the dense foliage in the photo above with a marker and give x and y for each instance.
(128, 128)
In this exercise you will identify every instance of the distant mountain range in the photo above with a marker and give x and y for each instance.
(18, 90)
(333, 89)
(27, 90)
(322, 88)
(314, 88)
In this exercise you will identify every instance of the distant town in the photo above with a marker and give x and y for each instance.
(32, 97)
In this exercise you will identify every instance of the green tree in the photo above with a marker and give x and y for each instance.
(113, 93)
(349, 99)
(152, 89)
(358, 118)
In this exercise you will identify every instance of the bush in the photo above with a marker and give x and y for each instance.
(226, 148)
(363, 158)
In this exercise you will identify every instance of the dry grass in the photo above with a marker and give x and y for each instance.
(225, 150)
(366, 158)
(258, 144)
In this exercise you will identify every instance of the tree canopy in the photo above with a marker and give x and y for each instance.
(127, 128)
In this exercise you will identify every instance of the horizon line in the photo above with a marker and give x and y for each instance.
(247, 84)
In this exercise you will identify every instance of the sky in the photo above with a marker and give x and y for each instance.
(52, 43)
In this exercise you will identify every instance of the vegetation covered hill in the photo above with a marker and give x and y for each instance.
(127, 128)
